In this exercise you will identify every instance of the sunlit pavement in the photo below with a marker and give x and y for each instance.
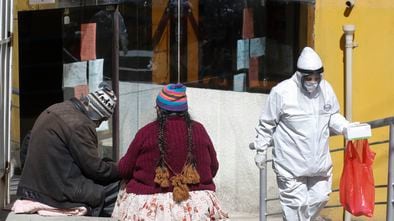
(6, 215)
(23, 217)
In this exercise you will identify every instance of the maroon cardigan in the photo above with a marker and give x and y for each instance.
(138, 165)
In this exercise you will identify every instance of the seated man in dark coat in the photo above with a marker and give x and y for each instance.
(63, 169)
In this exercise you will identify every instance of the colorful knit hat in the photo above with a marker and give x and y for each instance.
(172, 98)
(102, 101)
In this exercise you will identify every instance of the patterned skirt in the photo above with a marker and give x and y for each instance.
(201, 205)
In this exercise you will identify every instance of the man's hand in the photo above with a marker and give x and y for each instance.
(260, 159)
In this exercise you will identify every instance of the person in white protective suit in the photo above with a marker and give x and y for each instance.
(297, 119)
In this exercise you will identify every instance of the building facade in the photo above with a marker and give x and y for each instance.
(229, 53)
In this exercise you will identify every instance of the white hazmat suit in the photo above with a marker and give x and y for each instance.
(296, 121)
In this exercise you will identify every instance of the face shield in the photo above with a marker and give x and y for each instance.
(310, 80)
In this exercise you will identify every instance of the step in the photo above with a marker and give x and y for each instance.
(10, 216)
(34, 217)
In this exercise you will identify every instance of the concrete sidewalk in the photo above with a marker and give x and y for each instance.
(9, 216)
(33, 217)
(5, 216)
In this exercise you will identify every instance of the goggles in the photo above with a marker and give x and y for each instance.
(312, 77)
(310, 72)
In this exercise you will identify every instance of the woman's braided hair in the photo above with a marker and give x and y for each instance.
(189, 174)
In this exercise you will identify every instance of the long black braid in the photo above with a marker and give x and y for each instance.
(162, 118)
(190, 157)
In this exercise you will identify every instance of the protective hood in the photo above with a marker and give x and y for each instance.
(309, 62)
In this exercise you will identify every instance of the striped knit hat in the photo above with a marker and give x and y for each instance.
(172, 98)
(102, 101)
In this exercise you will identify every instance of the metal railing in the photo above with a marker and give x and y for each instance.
(390, 183)
(6, 10)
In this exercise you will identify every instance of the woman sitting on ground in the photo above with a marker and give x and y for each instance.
(169, 167)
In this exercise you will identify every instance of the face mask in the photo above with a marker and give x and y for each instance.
(311, 86)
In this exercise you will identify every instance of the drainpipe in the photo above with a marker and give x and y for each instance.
(349, 45)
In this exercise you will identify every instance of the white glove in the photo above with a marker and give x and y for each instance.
(260, 159)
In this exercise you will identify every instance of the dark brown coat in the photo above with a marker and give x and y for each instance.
(63, 168)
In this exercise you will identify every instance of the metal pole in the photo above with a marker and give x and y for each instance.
(5, 100)
(390, 185)
(262, 189)
(179, 41)
(115, 83)
(263, 194)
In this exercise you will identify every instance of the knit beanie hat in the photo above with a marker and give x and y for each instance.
(172, 98)
(102, 101)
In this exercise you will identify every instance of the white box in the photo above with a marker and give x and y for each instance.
(358, 131)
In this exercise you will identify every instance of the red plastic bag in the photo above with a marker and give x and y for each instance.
(357, 187)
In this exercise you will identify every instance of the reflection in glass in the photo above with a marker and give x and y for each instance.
(93, 55)
(228, 44)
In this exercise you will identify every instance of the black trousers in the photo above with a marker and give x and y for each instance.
(107, 206)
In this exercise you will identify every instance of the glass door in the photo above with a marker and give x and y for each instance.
(237, 45)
